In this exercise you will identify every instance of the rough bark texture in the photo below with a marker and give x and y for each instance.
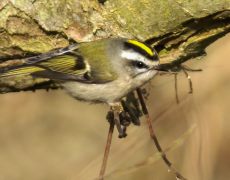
(179, 30)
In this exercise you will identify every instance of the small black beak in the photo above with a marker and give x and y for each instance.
(161, 67)
(158, 68)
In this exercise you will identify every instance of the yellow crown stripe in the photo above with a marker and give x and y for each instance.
(142, 46)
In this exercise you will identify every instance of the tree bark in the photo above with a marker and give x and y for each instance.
(179, 30)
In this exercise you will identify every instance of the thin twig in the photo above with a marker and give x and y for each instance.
(107, 149)
(185, 67)
(189, 81)
(153, 136)
(176, 89)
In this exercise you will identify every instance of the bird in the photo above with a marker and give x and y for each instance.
(100, 71)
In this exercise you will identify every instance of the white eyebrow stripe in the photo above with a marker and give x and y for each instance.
(132, 56)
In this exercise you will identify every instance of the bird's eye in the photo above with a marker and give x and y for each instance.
(140, 65)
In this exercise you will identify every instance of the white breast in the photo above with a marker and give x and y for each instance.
(109, 92)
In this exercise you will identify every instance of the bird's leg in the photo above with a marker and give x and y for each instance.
(132, 108)
(154, 138)
(119, 115)
(125, 119)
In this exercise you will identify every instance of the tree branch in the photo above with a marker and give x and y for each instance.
(178, 30)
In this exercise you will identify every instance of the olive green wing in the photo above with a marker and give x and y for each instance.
(65, 67)
(62, 64)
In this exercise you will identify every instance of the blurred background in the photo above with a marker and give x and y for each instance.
(51, 136)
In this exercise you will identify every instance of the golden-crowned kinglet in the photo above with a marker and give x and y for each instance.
(98, 71)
